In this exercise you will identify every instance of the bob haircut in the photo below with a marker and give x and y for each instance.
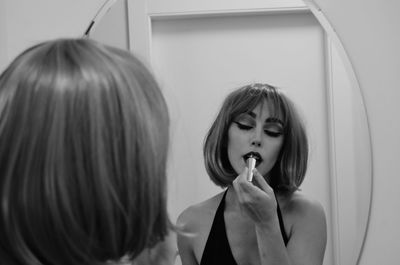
(83, 149)
(289, 170)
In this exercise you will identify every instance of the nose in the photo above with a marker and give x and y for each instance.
(256, 143)
(256, 138)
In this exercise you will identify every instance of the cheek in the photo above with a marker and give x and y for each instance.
(277, 148)
(231, 145)
(271, 154)
(276, 152)
(235, 149)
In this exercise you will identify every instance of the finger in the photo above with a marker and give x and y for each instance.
(242, 180)
(237, 180)
(241, 177)
(237, 188)
(242, 186)
(261, 182)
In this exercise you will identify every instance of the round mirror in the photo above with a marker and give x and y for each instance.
(199, 53)
(110, 24)
(351, 154)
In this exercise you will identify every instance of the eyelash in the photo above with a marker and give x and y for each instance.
(247, 128)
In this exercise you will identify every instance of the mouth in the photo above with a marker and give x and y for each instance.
(254, 155)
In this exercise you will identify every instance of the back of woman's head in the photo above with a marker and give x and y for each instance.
(83, 146)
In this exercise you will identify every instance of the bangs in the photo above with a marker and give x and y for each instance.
(249, 97)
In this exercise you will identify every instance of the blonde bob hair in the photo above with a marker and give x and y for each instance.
(83, 149)
(289, 170)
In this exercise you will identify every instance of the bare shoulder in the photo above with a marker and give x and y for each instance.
(299, 204)
(193, 226)
(305, 221)
(299, 210)
(196, 215)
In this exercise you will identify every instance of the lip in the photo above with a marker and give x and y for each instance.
(256, 155)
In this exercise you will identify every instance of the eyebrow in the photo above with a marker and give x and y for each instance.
(267, 120)
(274, 120)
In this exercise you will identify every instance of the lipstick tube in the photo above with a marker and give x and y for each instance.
(251, 164)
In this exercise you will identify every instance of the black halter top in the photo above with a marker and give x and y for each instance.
(217, 250)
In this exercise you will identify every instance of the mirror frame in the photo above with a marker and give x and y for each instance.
(363, 229)
(107, 5)
(144, 29)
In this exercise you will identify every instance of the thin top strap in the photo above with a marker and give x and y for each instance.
(281, 224)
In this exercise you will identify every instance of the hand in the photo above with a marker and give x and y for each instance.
(256, 199)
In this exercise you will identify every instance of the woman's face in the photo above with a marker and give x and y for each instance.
(257, 133)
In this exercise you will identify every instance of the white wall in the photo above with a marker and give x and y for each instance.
(176, 6)
(199, 60)
(369, 31)
(3, 35)
(111, 27)
(25, 22)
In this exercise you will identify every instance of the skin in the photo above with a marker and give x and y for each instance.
(250, 213)
(164, 252)
(257, 132)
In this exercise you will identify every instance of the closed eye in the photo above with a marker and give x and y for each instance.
(273, 133)
(243, 126)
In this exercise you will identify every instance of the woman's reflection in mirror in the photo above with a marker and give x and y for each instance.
(266, 220)
(83, 147)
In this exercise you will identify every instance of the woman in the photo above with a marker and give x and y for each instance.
(83, 147)
(266, 220)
